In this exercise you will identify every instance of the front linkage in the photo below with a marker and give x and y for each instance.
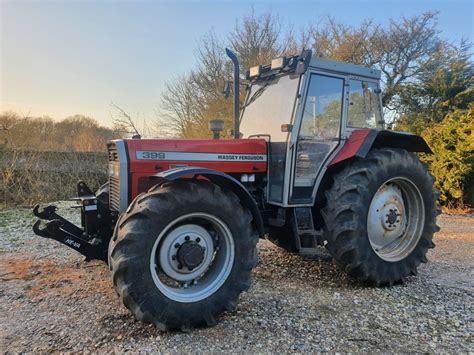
(97, 225)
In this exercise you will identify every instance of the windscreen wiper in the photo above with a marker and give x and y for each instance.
(256, 94)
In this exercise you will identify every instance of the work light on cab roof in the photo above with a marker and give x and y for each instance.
(278, 63)
(297, 64)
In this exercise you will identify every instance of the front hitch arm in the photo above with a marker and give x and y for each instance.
(55, 230)
(49, 213)
(97, 221)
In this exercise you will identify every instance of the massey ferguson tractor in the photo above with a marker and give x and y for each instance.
(309, 165)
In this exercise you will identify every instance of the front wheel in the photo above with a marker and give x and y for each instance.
(381, 216)
(182, 254)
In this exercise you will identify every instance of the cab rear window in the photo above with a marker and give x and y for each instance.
(364, 104)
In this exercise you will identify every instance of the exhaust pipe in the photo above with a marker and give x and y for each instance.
(235, 61)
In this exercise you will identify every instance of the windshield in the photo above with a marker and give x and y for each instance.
(269, 105)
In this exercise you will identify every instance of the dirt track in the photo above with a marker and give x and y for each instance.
(50, 300)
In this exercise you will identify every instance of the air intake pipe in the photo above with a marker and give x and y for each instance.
(235, 61)
(216, 126)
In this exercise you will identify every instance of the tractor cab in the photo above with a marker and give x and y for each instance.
(306, 108)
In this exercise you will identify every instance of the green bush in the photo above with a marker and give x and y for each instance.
(452, 142)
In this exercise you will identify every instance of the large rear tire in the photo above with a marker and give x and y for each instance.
(380, 216)
(182, 253)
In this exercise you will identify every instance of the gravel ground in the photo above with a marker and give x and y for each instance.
(50, 300)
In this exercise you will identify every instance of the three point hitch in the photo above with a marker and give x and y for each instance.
(92, 239)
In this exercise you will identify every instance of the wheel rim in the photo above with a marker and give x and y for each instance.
(396, 218)
(192, 257)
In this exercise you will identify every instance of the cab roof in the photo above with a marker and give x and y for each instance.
(344, 68)
(304, 61)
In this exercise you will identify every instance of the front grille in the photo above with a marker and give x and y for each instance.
(112, 150)
(114, 181)
(114, 195)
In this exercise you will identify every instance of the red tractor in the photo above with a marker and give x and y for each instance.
(310, 165)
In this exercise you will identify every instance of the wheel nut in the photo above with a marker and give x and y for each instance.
(187, 237)
(176, 245)
(180, 266)
(190, 268)
(173, 257)
(198, 240)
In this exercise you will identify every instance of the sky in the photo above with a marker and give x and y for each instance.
(60, 58)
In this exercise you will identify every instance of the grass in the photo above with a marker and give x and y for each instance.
(16, 216)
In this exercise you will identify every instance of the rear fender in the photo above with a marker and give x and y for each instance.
(362, 141)
(358, 145)
(222, 180)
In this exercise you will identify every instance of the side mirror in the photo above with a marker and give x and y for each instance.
(303, 62)
(226, 90)
(286, 127)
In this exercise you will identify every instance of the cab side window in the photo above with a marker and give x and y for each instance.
(319, 132)
(323, 107)
(364, 105)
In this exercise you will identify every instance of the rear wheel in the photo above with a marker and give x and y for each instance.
(381, 216)
(182, 254)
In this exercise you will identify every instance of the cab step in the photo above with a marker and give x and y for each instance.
(308, 239)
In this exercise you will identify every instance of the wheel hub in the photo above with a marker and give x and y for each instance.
(192, 257)
(386, 215)
(190, 254)
(391, 217)
(186, 252)
(395, 219)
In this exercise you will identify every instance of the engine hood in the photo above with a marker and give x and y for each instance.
(226, 155)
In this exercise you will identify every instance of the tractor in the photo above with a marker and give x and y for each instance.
(309, 165)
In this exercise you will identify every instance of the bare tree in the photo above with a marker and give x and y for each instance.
(398, 49)
(257, 39)
(124, 122)
(403, 47)
(181, 109)
(189, 102)
(338, 41)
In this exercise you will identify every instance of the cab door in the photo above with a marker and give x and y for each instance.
(317, 134)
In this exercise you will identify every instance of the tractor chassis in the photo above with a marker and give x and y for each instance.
(97, 225)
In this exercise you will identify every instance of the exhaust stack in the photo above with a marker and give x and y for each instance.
(235, 61)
